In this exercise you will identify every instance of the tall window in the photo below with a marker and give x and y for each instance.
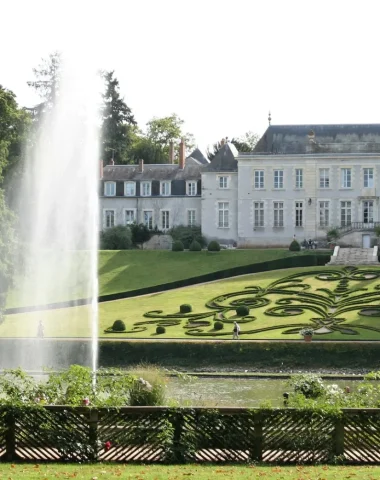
(191, 217)
(146, 189)
(129, 189)
(165, 219)
(299, 178)
(165, 188)
(109, 218)
(109, 189)
(368, 211)
(129, 217)
(258, 214)
(278, 179)
(191, 188)
(278, 210)
(324, 178)
(148, 219)
(345, 214)
(259, 178)
(299, 214)
(346, 178)
(223, 182)
(324, 214)
(223, 215)
(368, 178)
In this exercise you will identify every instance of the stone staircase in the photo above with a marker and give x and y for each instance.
(354, 256)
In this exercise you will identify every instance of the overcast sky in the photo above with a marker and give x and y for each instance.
(220, 65)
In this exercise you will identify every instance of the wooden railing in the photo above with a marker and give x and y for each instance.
(181, 435)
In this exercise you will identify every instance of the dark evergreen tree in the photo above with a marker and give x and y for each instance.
(117, 123)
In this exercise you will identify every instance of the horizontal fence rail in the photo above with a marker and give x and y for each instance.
(184, 435)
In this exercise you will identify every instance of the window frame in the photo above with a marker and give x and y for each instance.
(125, 216)
(226, 182)
(279, 223)
(105, 210)
(370, 215)
(259, 179)
(324, 179)
(224, 221)
(258, 214)
(322, 213)
(366, 174)
(108, 184)
(189, 184)
(145, 183)
(345, 207)
(299, 178)
(125, 189)
(299, 213)
(278, 177)
(145, 211)
(191, 211)
(346, 177)
(168, 183)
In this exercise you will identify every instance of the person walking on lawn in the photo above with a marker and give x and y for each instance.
(236, 331)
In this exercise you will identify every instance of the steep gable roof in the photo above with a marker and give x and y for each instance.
(224, 160)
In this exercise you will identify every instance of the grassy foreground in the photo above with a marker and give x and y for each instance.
(125, 270)
(174, 472)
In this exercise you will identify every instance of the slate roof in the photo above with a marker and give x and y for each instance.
(198, 155)
(294, 139)
(224, 160)
(152, 172)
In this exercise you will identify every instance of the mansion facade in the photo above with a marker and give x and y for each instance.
(299, 182)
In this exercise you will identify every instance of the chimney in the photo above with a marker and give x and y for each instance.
(141, 166)
(101, 169)
(171, 152)
(182, 159)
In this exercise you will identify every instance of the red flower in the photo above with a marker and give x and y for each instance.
(107, 446)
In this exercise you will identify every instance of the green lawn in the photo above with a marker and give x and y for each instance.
(121, 271)
(175, 472)
(74, 322)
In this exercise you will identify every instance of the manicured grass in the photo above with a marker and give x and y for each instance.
(125, 270)
(74, 322)
(197, 472)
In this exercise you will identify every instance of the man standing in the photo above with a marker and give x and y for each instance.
(236, 331)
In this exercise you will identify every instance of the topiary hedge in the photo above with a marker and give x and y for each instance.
(160, 330)
(218, 325)
(118, 326)
(177, 246)
(213, 246)
(185, 308)
(242, 311)
(195, 246)
(294, 246)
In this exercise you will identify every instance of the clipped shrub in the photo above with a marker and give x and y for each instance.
(118, 326)
(242, 310)
(116, 238)
(218, 325)
(294, 246)
(148, 387)
(185, 308)
(309, 384)
(177, 246)
(186, 234)
(160, 330)
(213, 246)
(195, 246)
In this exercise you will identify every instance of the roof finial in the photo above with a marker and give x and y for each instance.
(269, 117)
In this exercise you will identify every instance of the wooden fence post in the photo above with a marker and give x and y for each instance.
(177, 422)
(93, 434)
(257, 447)
(338, 440)
(10, 437)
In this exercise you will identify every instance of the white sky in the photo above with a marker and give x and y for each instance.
(220, 65)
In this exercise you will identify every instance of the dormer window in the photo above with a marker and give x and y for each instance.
(191, 188)
(146, 189)
(109, 189)
(129, 189)
(165, 189)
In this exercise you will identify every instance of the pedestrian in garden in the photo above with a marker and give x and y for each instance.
(236, 331)
(40, 330)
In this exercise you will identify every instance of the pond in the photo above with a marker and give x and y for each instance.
(233, 392)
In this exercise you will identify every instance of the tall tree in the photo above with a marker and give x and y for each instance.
(246, 143)
(117, 122)
(46, 82)
(162, 131)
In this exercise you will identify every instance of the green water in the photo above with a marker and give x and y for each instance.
(233, 392)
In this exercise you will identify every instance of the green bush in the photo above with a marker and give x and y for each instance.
(187, 234)
(213, 246)
(218, 325)
(294, 246)
(177, 246)
(160, 330)
(148, 387)
(309, 384)
(118, 326)
(116, 238)
(195, 246)
(185, 308)
(140, 234)
(242, 311)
